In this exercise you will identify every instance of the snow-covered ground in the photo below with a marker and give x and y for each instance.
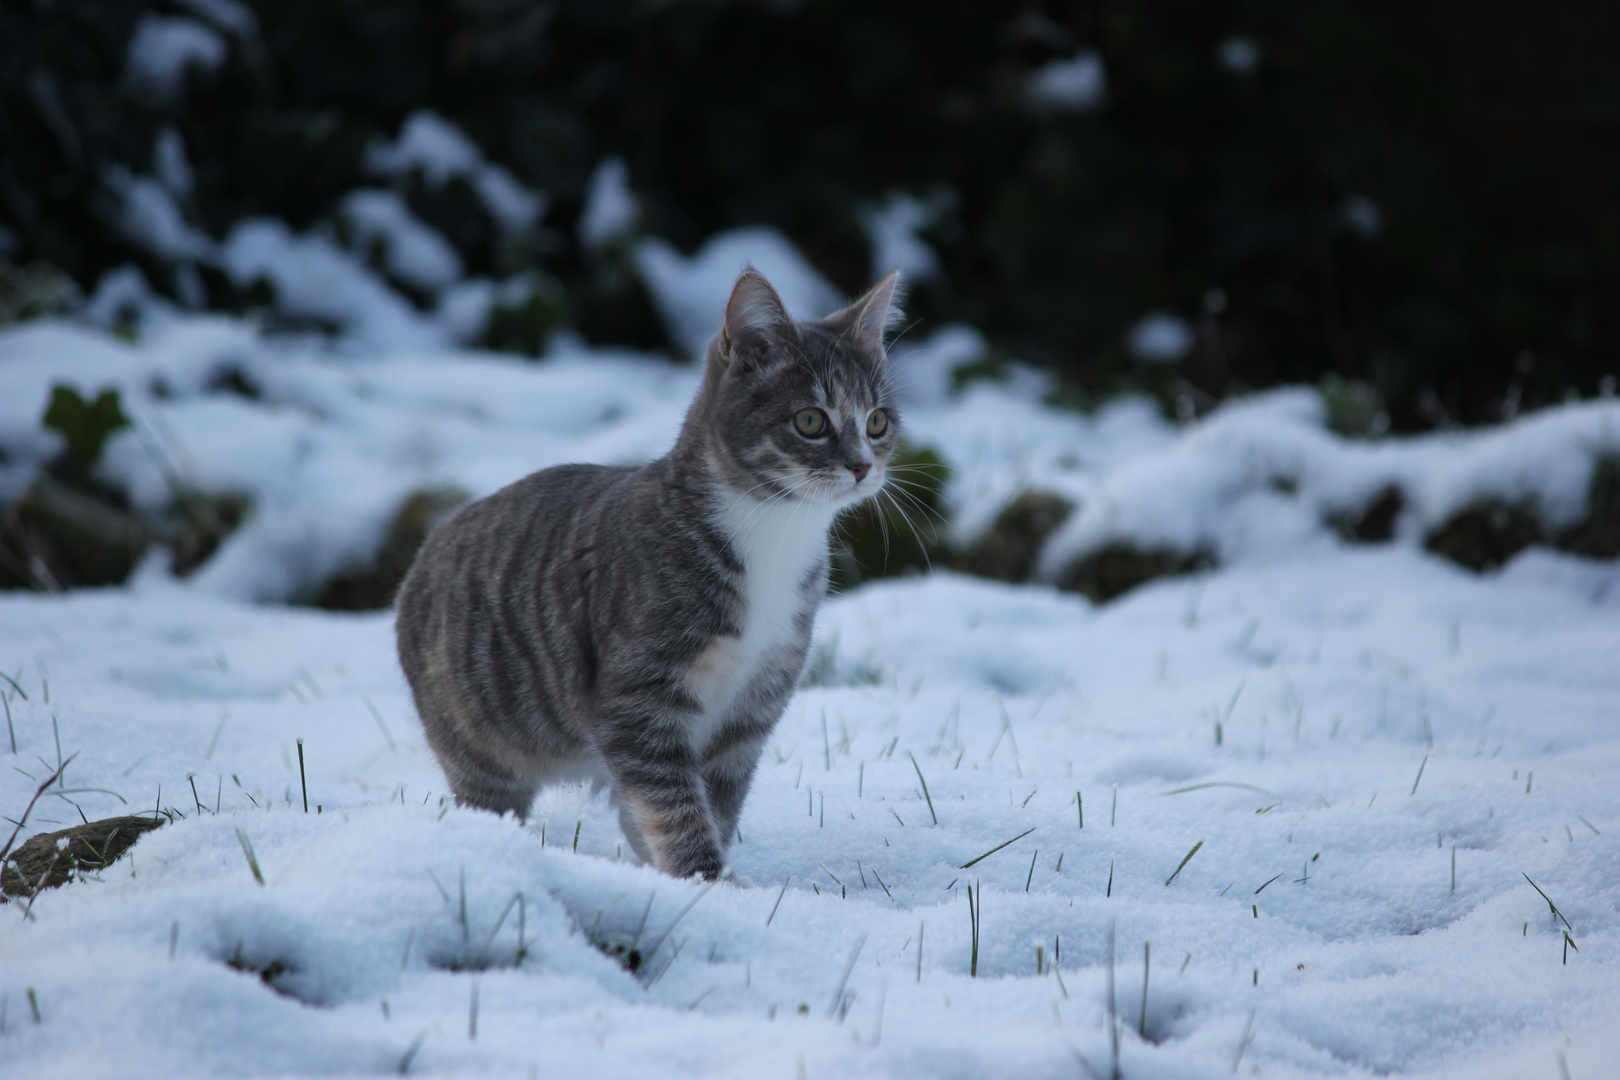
(1369, 752)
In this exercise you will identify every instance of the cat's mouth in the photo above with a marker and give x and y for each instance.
(851, 489)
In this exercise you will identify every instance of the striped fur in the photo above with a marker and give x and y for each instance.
(645, 627)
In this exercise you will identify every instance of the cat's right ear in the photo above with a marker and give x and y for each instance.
(753, 315)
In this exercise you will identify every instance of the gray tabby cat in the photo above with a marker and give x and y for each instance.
(645, 627)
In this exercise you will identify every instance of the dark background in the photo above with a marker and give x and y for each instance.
(1486, 133)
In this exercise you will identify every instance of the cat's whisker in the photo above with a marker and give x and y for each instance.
(922, 545)
(922, 507)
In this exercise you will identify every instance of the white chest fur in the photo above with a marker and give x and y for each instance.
(780, 544)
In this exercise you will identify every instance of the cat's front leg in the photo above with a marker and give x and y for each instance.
(728, 771)
(659, 780)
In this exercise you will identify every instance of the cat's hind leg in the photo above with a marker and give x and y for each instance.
(480, 779)
(633, 834)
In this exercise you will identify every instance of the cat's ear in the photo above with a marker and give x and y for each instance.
(868, 320)
(753, 314)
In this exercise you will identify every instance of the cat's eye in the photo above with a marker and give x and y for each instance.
(811, 423)
(877, 423)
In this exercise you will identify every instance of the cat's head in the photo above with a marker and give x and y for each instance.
(801, 411)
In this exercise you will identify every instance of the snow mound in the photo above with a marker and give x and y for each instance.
(431, 145)
(691, 293)
(164, 48)
(315, 279)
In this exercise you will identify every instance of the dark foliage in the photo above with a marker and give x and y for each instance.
(1422, 197)
(1118, 568)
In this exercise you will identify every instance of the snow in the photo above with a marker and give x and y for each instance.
(150, 217)
(229, 15)
(122, 296)
(411, 251)
(610, 205)
(315, 279)
(170, 163)
(1332, 724)
(1260, 476)
(1160, 338)
(691, 292)
(892, 228)
(163, 48)
(1074, 84)
(431, 145)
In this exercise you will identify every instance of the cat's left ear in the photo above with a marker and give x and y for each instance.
(868, 320)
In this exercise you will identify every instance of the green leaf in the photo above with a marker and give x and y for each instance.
(85, 426)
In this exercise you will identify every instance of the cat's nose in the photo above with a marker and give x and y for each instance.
(860, 469)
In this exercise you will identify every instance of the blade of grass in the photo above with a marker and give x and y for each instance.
(1552, 906)
(924, 784)
(1185, 860)
(778, 903)
(53, 778)
(303, 786)
(998, 847)
(1220, 783)
(843, 979)
(247, 849)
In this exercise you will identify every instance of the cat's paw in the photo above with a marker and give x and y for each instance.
(699, 864)
(728, 876)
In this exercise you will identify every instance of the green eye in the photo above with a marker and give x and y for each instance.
(811, 423)
(877, 423)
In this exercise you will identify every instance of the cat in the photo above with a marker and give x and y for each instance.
(644, 627)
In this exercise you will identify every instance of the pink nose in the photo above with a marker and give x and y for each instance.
(860, 469)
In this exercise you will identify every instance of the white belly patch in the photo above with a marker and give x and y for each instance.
(779, 543)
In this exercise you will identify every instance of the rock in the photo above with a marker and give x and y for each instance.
(61, 536)
(1597, 535)
(372, 587)
(1120, 567)
(1375, 522)
(1484, 535)
(1008, 551)
(50, 859)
